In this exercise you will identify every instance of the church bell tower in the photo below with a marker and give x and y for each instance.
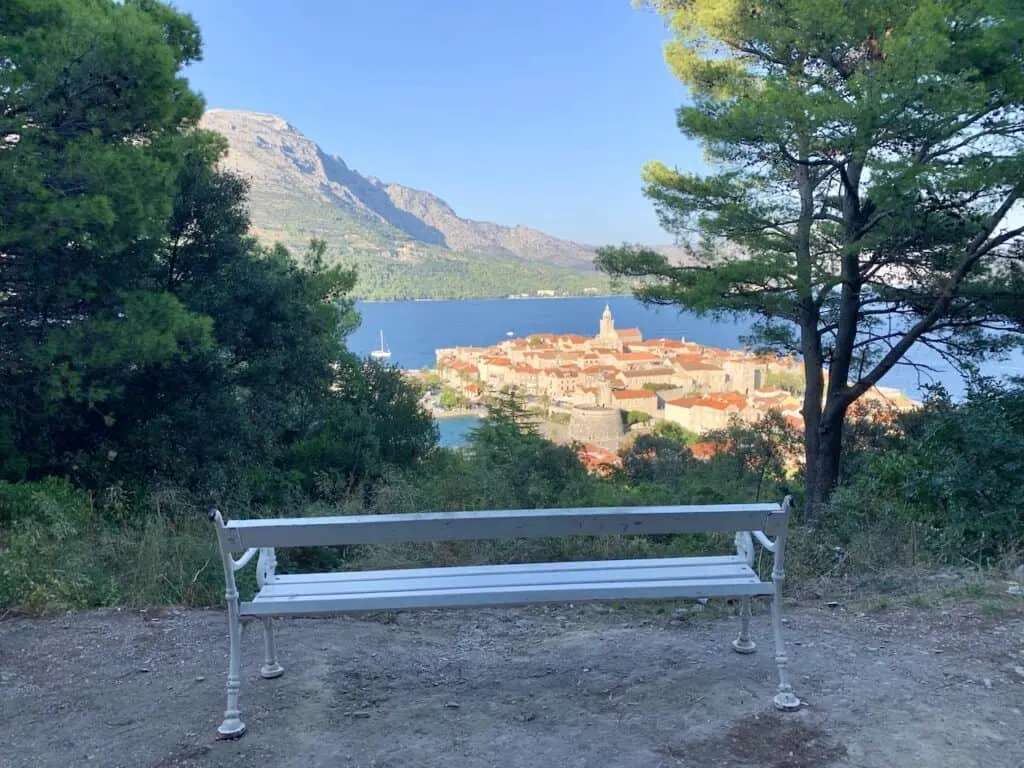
(607, 325)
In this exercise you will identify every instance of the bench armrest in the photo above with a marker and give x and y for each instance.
(764, 540)
(240, 563)
(266, 565)
(745, 541)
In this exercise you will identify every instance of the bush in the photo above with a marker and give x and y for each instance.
(635, 417)
(61, 550)
(948, 489)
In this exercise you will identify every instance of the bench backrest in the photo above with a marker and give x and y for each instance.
(503, 524)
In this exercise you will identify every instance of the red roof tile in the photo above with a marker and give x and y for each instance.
(634, 394)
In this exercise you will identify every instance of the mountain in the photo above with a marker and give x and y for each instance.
(406, 243)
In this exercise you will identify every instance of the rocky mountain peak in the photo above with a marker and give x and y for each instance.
(281, 162)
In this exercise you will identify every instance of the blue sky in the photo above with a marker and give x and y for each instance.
(516, 111)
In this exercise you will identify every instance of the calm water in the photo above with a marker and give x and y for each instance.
(414, 329)
(455, 432)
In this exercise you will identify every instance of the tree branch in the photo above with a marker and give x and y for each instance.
(977, 249)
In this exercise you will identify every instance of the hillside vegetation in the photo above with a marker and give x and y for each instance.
(157, 360)
(407, 243)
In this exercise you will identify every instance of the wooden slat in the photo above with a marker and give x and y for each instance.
(298, 579)
(502, 524)
(515, 595)
(484, 579)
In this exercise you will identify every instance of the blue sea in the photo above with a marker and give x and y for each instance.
(414, 329)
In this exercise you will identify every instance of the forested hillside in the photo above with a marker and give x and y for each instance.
(406, 243)
(157, 359)
(148, 339)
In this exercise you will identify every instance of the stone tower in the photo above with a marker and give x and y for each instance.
(607, 326)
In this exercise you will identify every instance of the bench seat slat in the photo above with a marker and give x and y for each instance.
(487, 586)
(457, 570)
(484, 578)
(501, 524)
(473, 598)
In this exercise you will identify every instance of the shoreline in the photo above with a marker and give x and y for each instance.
(437, 414)
(499, 298)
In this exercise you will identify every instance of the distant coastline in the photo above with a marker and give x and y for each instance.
(415, 329)
(496, 298)
(439, 414)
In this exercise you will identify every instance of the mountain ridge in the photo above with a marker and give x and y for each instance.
(272, 152)
(405, 243)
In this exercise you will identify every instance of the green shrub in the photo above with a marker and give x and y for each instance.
(60, 550)
(949, 489)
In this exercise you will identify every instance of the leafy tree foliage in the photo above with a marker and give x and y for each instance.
(449, 399)
(91, 112)
(656, 460)
(949, 477)
(866, 186)
(752, 463)
(147, 339)
(674, 431)
(635, 417)
(763, 451)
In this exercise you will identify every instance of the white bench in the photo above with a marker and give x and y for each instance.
(494, 585)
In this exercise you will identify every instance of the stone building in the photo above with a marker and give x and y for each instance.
(643, 400)
(700, 414)
(699, 376)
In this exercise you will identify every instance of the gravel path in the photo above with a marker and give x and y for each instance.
(552, 686)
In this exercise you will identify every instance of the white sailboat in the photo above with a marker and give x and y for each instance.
(383, 353)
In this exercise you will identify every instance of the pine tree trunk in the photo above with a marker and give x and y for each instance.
(823, 451)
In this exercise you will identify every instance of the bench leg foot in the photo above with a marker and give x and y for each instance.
(786, 701)
(270, 668)
(784, 698)
(743, 643)
(233, 727)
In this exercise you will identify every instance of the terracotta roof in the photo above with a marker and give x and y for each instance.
(686, 402)
(634, 394)
(770, 402)
(720, 401)
(598, 459)
(636, 356)
(688, 365)
(718, 405)
(732, 398)
(706, 449)
(648, 372)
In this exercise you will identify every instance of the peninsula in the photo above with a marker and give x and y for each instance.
(599, 390)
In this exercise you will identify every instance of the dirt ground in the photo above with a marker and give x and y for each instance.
(562, 686)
